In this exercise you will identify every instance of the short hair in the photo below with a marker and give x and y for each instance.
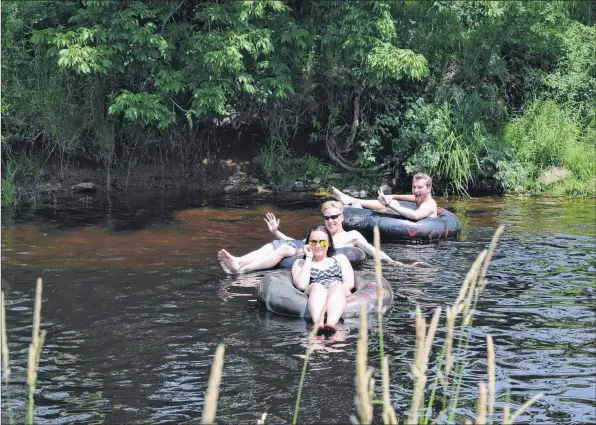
(319, 228)
(332, 204)
(425, 177)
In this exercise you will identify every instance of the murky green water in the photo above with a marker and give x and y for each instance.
(135, 303)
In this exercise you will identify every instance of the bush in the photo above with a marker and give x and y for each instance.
(450, 140)
(549, 135)
(282, 169)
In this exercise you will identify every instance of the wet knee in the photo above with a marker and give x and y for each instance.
(286, 250)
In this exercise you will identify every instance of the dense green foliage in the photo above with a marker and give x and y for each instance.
(482, 95)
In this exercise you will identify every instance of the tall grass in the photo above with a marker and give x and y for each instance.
(37, 340)
(450, 142)
(5, 360)
(8, 183)
(553, 135)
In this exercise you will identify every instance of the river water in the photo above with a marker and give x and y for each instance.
(135, 303)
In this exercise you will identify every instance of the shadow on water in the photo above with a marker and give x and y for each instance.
(135, 303)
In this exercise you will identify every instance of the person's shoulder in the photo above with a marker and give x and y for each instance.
(354, 233)
(430, 202)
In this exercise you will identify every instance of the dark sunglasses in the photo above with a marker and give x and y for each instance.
(323, 243)
(331, 217)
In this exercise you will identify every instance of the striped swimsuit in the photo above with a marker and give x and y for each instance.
(327, 277)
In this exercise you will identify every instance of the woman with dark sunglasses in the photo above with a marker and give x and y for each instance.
(326, 278)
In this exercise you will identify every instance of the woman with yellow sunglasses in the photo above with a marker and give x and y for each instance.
(271, 254)
(326, 278)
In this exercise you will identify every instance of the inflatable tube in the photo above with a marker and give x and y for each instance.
(395, 227)
(355, 255)
(277, 294)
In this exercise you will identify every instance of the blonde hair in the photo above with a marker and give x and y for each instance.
(332, 204)
(425, 177)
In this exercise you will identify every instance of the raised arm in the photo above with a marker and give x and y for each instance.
(390, 201)
(386, 199)
(273, 225)
(404, 197)
(421, 212)
(301, 270)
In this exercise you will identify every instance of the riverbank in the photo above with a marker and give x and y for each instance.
(231, 175)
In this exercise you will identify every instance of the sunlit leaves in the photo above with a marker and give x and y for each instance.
(387, 61)
(169, 82)
(361, 45)
(84, 59)
(142, 108)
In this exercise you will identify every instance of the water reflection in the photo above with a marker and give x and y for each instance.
(135, 303)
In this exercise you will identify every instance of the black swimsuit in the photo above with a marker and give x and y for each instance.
(327, 277)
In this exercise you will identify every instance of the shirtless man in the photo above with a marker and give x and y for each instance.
(421, 188)
(269, 255)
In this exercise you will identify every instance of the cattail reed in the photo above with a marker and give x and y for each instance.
(451, 315)
(364, 380)
(5, 362)
(389, 416)
(424, 343)
(380, 298)
(522, 409)
(481, 405)
(309, 349)
(212, 394)
(38, 339)
(263, 419)
(490, 358)
(380, 291)
(489, 255)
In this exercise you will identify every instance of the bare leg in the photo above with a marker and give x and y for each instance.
(372, 204)
(255, 255)
(336, 304)
(342, 197)
(317, 299)
(269, 260)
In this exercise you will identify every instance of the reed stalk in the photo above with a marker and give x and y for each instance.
(523, 408)
(380, 291)
(37, 341)
(263, 419)
(490, 358)
(424, 341)
(389, 416)
(481, 405)
(364, 380)
(380, 298)
(309, 349)
(506, 408)
(212, 394)
(5, 360)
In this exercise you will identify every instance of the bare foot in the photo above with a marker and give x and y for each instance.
(342, 197)
(222, 264)
(229, 261)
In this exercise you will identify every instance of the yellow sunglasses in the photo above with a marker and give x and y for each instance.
(323, 243)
